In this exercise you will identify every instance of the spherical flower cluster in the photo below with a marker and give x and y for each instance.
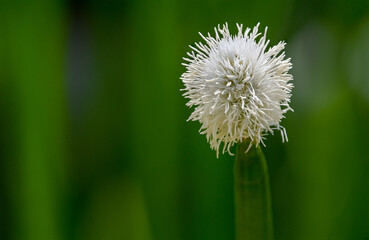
(239, 89)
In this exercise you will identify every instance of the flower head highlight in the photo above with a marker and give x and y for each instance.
(239, 89)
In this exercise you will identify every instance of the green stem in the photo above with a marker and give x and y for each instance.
(252, 195)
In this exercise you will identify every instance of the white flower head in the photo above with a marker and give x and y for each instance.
(239, 89)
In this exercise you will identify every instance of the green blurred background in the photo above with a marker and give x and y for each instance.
(93, 132)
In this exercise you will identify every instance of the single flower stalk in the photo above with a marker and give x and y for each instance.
(241, 91)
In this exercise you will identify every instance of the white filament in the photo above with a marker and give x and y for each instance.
(240, 91)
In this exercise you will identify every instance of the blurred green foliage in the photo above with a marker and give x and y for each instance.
(93, 131)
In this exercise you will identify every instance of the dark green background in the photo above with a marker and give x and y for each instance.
(94, 142)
